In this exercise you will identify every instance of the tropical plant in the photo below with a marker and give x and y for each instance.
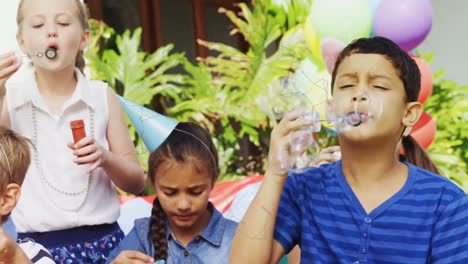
(218, 92)
(448, 105)
(134, 74)
(221, 92)
(290, 13)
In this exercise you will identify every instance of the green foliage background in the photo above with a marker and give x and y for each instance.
(448, 105)
(220, 92)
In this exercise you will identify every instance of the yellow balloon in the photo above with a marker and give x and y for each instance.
(314, 84)
(312, 39)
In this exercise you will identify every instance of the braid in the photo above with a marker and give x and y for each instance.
(188, 142)
(158, 231)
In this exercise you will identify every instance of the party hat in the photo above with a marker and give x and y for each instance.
(153, 128)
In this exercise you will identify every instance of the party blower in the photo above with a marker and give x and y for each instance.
(50, 53)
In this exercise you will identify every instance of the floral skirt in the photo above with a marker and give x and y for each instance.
(81, 245)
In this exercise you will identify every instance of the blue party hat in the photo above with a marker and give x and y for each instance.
(153, 128)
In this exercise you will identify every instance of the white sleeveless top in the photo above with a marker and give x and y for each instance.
(43, 206)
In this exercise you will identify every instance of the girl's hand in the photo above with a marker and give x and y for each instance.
(134, 257)
(327, 155)
(8, 65)
(89, 152)
(279, 153)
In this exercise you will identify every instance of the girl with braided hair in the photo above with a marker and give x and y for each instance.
(184, 226)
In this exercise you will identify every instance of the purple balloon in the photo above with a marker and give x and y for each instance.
(406, 22)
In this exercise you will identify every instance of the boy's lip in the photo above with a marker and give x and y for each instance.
(364, 117)
(355, 118)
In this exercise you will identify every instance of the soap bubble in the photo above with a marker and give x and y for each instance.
(281, 97)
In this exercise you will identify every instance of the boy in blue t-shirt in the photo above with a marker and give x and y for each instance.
(369, 207)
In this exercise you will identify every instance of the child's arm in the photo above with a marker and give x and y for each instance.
(253, 241)
(130, 249)
(10, 252)
(8, 66)
(120, 162)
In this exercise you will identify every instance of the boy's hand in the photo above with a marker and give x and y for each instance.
(279, 153)
(88, 151)
(132, 257)
(327, 155)
(10, 252)
(8, 65)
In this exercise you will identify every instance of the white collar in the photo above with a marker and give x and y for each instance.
(30, 92)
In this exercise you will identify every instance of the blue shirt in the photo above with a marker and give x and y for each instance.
(212, 245)
(425, 222)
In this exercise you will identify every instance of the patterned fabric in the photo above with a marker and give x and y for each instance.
(35, 252)
(88, 252)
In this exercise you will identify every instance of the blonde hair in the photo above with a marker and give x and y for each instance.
(15, 157)
(82, 16)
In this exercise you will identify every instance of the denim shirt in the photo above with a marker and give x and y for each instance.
(212, 245)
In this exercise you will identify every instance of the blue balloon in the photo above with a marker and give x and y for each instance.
(153, 128)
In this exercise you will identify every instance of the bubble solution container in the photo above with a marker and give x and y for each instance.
(78, 130)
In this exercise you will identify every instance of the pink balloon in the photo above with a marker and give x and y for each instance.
(406, 22)
(330, 49)
(426, 79)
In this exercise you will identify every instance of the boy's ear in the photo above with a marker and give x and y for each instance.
(413, 112)
(9, 198)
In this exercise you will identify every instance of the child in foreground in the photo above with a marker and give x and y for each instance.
(184, 226)
(69, 202)
(14, 162)
(369, 207)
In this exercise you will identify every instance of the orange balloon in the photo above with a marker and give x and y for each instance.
(426, 79)
(424, 131)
